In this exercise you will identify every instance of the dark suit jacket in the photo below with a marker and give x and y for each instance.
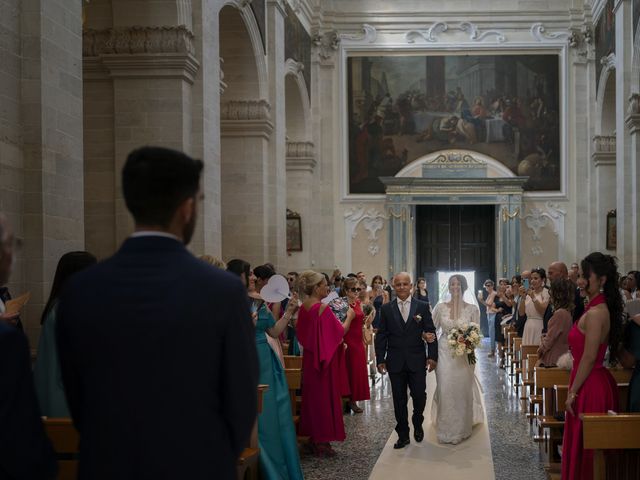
(158, 358)
(398, 344)
(25, 450)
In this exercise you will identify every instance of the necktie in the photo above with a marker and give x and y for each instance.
(403, 310)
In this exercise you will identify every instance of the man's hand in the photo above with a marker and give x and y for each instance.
(382, 368)
(431, 365)
(429, 337)
(10, 318)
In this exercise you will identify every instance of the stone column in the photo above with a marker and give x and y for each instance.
(301, 163)
(277, 172)
(207, 89)
(631, 222)
(245, 130)
(628, 240)
(604, 181)
(152, 69)
(51, 114)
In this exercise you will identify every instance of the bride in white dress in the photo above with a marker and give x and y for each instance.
(457, 403)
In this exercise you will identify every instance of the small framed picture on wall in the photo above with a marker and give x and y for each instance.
(611, 230)
(294, 232)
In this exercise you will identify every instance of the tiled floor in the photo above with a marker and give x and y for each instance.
(515, 455)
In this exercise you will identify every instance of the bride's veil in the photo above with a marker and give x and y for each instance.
(467, 297)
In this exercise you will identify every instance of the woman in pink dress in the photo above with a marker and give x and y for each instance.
(356, 356)
(592, 389)
(320, 333)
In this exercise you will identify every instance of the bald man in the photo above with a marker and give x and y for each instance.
(401, 351)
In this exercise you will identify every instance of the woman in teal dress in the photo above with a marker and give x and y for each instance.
(46, 374)
(279, 457)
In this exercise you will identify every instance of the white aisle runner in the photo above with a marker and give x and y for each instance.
(430, 459)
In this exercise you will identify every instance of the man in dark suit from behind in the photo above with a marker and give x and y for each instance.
(25, 450)
(156, 347)
(401, 351)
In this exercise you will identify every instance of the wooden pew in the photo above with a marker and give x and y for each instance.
(65, 441)
(613, 432)
(292, 361)
(247, 464)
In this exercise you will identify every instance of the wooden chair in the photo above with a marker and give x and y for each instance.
(613, 432)
(65, 441)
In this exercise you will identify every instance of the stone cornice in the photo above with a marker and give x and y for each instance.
(137, 39)
(151, 65)
(246, 128)
(460, 187)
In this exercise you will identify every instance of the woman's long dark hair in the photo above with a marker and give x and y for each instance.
(602, 264)
(239, 266)
(265, 272)
(68, 264)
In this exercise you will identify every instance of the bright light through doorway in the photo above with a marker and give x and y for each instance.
(443, 286)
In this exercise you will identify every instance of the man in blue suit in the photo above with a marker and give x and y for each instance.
(156, 347)
(25, 450)
(405, 324)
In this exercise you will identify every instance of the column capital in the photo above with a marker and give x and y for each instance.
(300, 157)
(140, 52)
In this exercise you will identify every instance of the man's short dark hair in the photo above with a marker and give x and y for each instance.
(156, 180)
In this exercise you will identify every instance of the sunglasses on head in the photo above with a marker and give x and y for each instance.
(355, 289)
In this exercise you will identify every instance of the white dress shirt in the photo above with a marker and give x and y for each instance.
(404, 306)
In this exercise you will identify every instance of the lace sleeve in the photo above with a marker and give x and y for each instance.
(475, 315)
(435, 315)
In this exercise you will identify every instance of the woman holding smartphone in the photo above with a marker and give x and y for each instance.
(534, 306)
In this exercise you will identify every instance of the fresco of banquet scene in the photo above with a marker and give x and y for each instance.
(404, 107)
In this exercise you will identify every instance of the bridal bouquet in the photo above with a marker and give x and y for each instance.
(464, 340)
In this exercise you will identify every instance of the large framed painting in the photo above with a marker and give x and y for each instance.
(403, 107)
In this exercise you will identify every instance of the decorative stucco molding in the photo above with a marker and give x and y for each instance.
(245, 110)
(539, 218)
(368, 35)
(372, 221)
(137, 39)
(431, 33)
(540, 34)
(326, 43)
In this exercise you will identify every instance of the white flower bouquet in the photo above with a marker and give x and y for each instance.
(464, 340)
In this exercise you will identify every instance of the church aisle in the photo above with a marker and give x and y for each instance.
(502, 445)
(469, 459)
(367, 433)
